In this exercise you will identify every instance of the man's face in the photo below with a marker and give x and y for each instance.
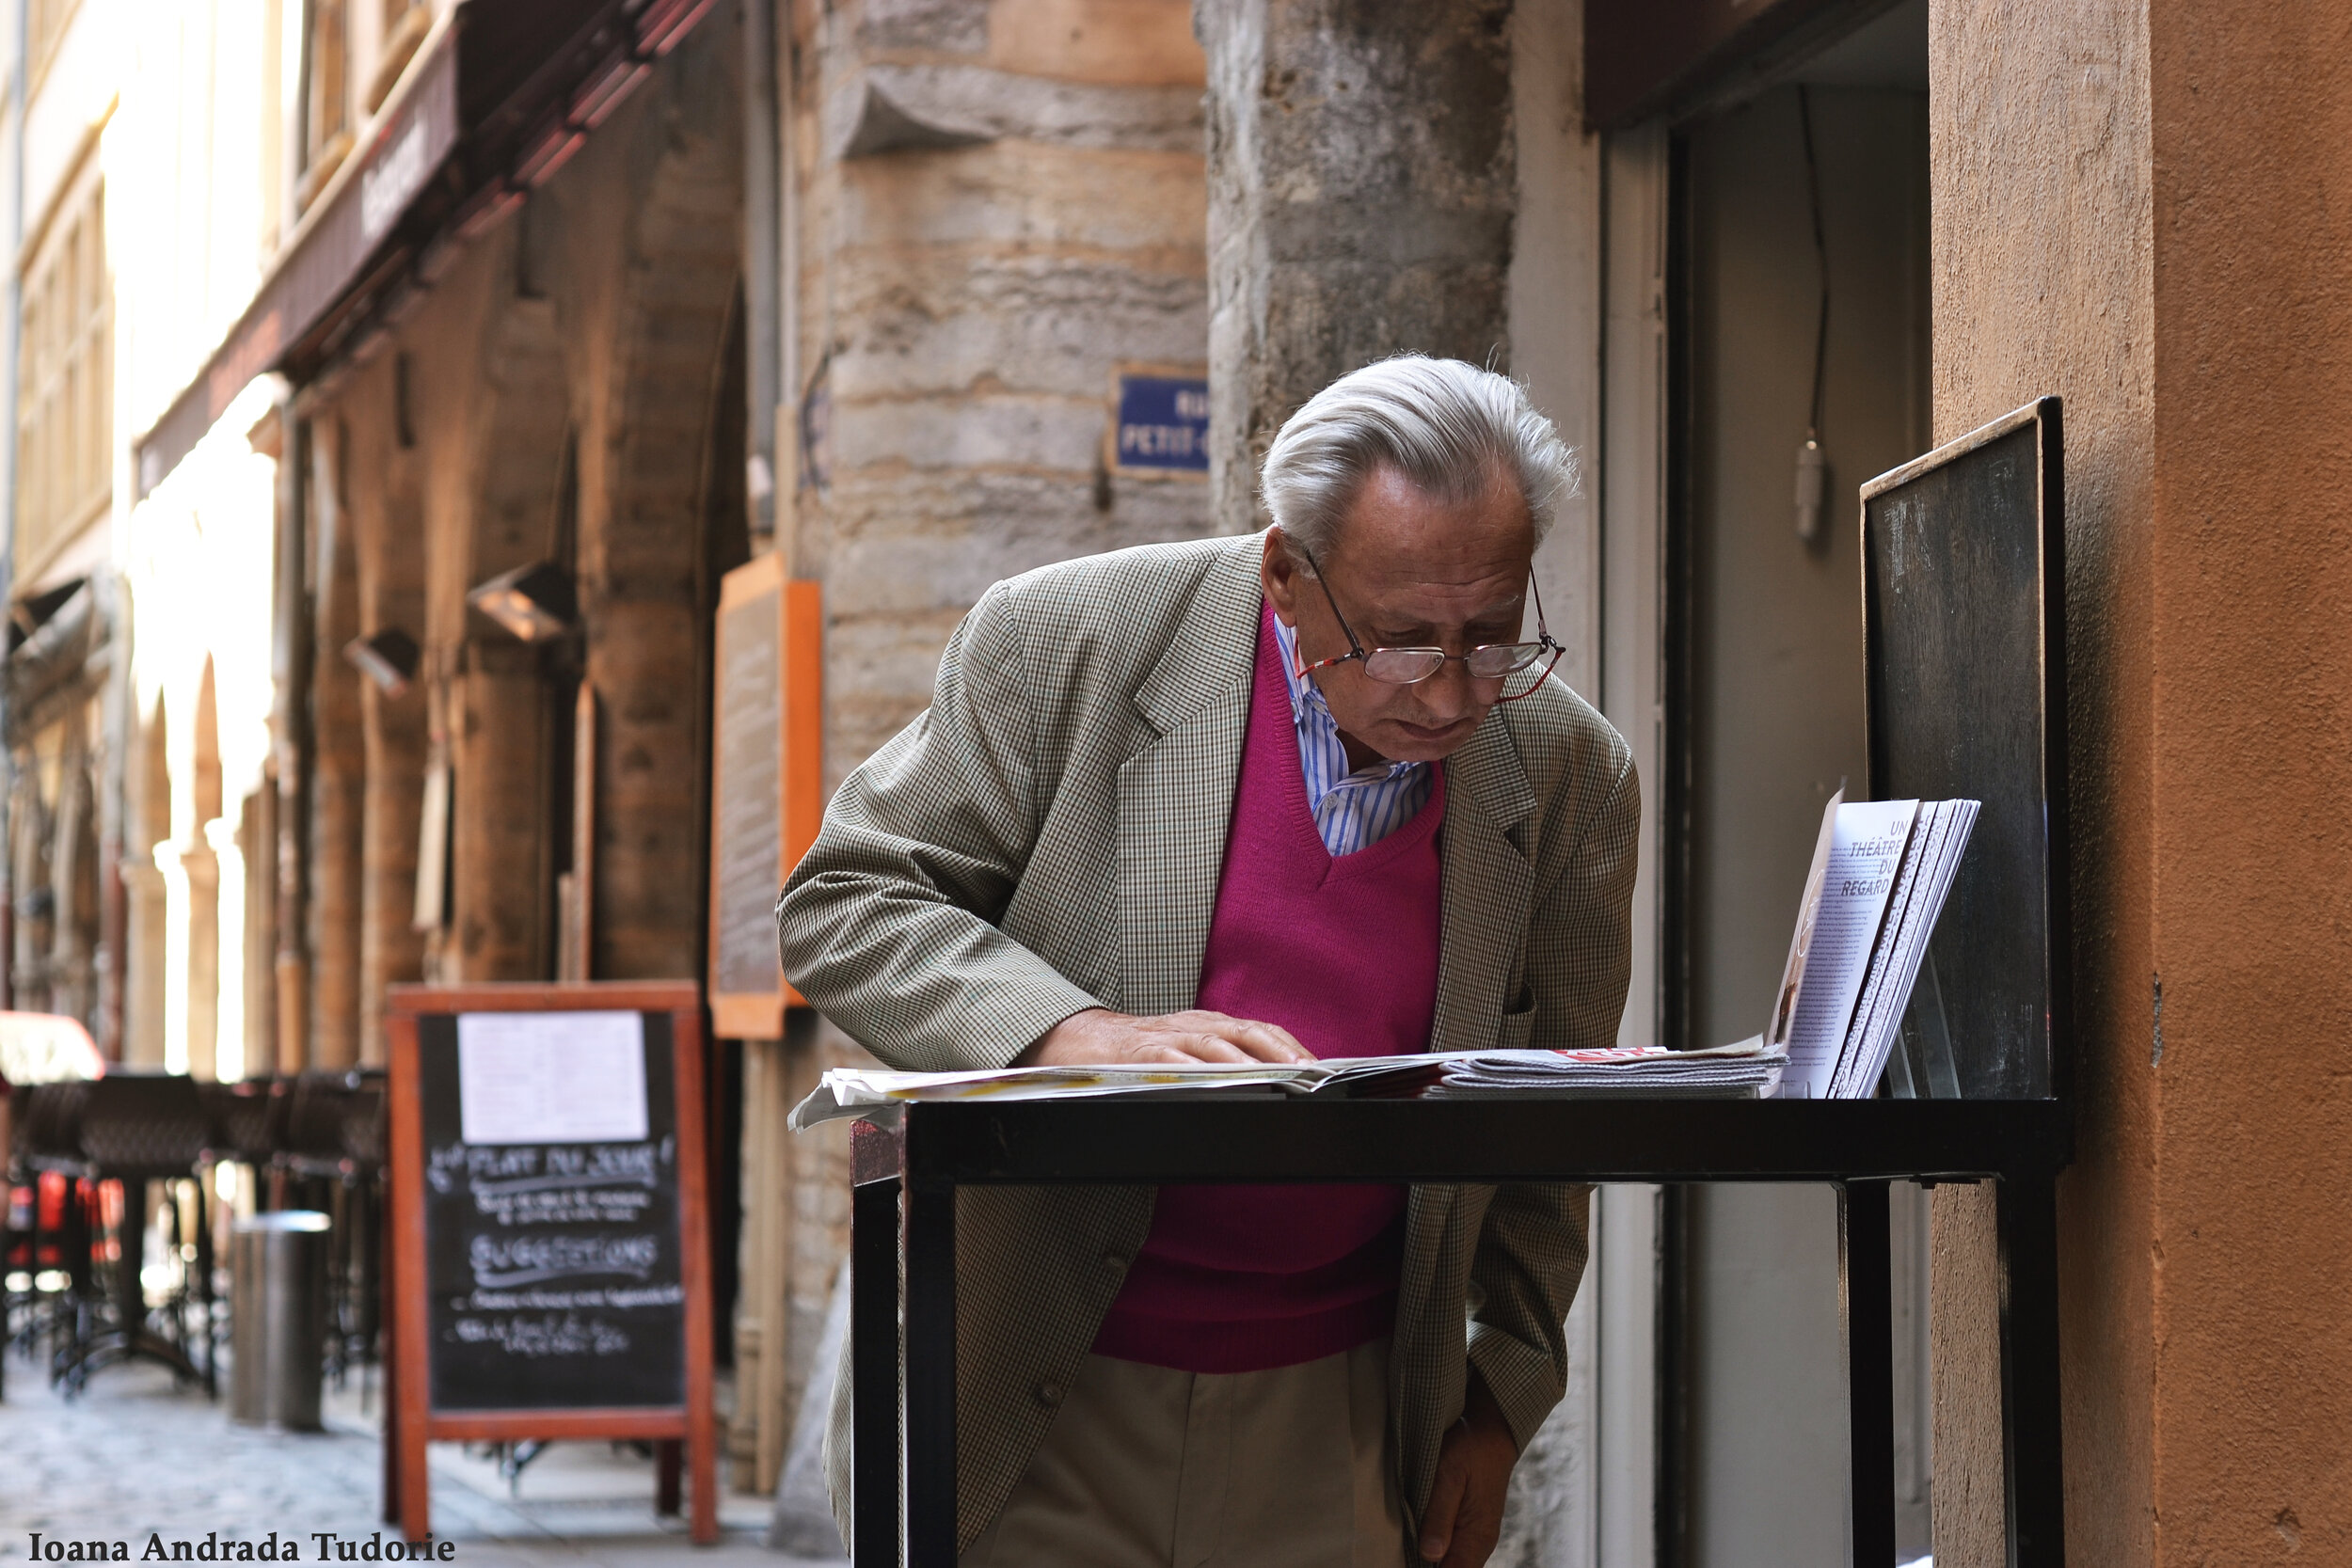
(1409, 571)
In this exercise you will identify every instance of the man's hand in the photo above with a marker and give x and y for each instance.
(1464, 1514)
(1098, 1037)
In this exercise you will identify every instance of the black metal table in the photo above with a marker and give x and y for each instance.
(1857, 1145)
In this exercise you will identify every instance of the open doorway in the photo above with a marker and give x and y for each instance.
(1798, 311)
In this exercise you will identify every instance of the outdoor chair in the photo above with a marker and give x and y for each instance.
(247, 1121)
(333, 1158)
(137, 1131)
(366, 1149)
(49, 1226)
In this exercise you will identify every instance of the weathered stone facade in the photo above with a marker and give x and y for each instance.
(1361, 193)
(557, 397)
(997, 206)
(993, 217)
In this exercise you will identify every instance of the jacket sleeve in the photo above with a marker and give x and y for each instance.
(888, 926)
(1531, 1248)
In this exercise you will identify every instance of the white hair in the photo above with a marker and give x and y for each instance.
(1450, 428)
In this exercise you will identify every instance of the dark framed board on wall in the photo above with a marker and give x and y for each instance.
(767, 783)
(550, 1269)
(1964, 613)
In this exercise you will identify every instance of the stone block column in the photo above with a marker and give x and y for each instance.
(388, 534)
(390, 950)
(498, 903)
(993, 209)
(1362, 190)
(338, 774)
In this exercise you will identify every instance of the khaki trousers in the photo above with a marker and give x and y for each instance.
(1147, 1468)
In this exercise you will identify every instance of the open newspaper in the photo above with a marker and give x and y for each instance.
(1743, 1070)
(1881, 872)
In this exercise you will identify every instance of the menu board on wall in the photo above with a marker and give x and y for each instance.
(766, 777)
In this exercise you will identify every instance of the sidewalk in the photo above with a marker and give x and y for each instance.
(133, 1458)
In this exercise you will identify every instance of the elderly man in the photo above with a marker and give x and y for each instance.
(1308, 794)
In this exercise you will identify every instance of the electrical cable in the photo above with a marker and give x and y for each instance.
(1812, 463)
(1821, 253)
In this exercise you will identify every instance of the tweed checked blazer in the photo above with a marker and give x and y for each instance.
(1049, 837)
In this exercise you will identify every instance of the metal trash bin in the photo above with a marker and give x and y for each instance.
(278, 1315)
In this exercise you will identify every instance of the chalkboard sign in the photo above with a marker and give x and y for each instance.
(767, 783)
(551, 1275)
(1964, 617)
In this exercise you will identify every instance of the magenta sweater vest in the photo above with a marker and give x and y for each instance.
(1343, 954)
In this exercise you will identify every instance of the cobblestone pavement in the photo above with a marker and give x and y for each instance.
(133, 1457)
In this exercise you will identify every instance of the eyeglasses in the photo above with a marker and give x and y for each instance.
(1488, 661)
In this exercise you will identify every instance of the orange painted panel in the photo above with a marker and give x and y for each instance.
(767, 783)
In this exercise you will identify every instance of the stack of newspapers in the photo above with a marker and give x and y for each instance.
(1881, 872)
(1741, 1071)
(1744, 1070)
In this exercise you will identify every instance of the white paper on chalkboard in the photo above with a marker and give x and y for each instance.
(552, 1078)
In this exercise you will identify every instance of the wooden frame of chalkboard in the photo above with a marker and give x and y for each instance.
(767, 783)
(579, 1222)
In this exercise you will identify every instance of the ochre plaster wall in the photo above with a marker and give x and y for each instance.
(2147, 210)
(2041, 282)
(2252, 749)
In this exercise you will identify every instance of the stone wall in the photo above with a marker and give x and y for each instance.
(1361, 189)
(997, 206)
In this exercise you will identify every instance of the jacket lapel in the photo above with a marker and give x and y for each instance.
(1176, 794)
(1487, 888)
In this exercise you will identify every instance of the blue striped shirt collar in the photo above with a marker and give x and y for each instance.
(1352, 810)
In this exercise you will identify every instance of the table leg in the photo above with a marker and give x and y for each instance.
(1865, 1269)
(2031, 1448)
(389, 1374)
(204, 1282)
(702, 1485)
(930, 1387)
(81, 1233)
(388, 1505)
(409, 1390)
(874, 1372)
(669, 1475)
(8, 1239)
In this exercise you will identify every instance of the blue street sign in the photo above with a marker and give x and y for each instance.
(1163, 423)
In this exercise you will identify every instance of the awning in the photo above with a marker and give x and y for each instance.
(500, 97)
(46, 1048)
(91, 547)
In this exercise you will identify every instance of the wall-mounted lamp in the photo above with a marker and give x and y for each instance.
(389, 657)
(535, 602)
(1811, 464)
